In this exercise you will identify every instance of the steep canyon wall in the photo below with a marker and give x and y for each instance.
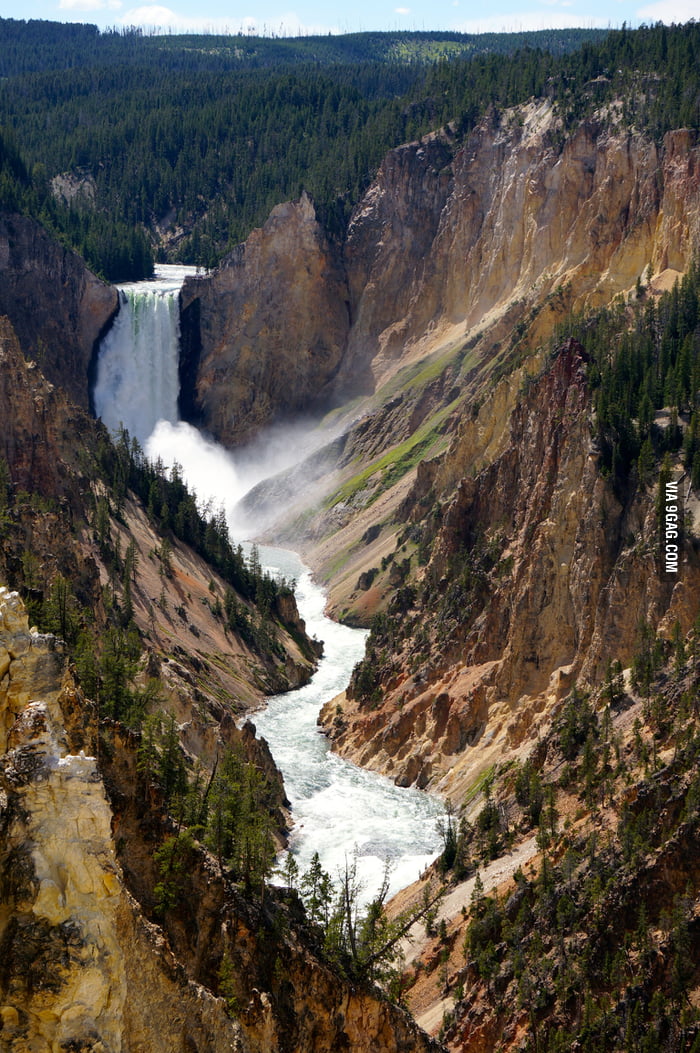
(263, 337)
(459, 245)
(57, 307)
(538, 576)
(449, 238)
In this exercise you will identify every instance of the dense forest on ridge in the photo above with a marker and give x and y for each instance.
(196, 149)
(27, 47)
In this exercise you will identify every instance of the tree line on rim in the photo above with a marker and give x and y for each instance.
(209, 152)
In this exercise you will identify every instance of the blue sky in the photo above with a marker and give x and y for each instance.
(314, 16)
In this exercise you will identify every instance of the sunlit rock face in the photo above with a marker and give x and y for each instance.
(574, 574)
(61, 974)
(74, 950)
(81, 966)
(264, 335)
(453, 238)
(457, 234)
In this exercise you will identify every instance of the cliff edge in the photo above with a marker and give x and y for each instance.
(58, 308)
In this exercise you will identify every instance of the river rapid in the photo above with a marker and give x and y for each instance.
(339, 810)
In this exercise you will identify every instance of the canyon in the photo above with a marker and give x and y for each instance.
(87, 956)
(82, 964)
(454, 501)
(459, 506)
(454, 245)
(459, 263)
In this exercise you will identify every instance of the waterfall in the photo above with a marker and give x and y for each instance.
(340, 810)
(137, 382)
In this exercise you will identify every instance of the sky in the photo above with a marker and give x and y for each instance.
(292, 17)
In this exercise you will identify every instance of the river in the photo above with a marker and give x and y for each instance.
(339, 810)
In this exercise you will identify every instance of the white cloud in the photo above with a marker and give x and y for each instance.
(527, 21)
(402, 10)
(155, 16)
(669, 11)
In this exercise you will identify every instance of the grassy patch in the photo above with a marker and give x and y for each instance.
(334, 566)
(419, 374)
(396, 462)
(476, 787)
(400, 459)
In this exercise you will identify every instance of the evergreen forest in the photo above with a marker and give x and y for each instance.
(179, 145)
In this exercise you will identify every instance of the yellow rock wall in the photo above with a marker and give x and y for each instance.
(576, 574)
(445, 244)
(81, 969)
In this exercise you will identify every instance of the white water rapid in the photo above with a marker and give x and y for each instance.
(339, 810)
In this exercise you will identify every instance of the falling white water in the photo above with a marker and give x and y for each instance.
(137, 381)
(340, 811)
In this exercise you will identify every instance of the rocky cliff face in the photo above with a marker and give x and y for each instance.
(387, 254)
(505, 218)
(538, 576)
(57, 307)
(42, 439)
(82, 967)
(75, 949)
(36, 424)
(263, 336)
(453, 242)
(508, 966)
